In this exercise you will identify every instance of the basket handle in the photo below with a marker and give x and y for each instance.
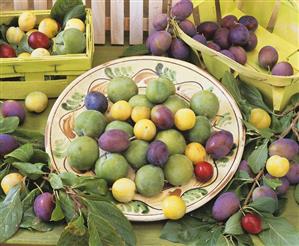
(273, 18)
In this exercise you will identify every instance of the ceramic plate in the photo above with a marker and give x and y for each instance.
(188, 79)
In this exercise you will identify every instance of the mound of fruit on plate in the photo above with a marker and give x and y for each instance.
(232, 37)
(159, 134)
(28, 35)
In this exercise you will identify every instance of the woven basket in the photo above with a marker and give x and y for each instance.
(278, 26)
(51, 74)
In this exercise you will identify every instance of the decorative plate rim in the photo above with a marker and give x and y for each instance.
(241, 131)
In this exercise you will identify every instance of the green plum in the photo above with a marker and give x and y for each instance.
(201, 131)
(140, 100)
(157, 90)
(205, 103)
(82, 153)
(178, 170)
(136, 153)
(174, 140)
(121, 88)
(149, 180)
(174, 103)
(120, 125)
(90, 123)
(111, 167)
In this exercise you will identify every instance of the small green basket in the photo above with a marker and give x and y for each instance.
(278, 26)
(51, 74)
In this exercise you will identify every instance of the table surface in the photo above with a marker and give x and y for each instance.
(147, 233)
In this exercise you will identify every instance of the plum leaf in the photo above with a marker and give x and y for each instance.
(257, 158)
(23, 153)
(11, 212)
(77, 11)
(31, 222)
(25, 136)
(272, 183)
(91, 185)
(67, 206)
(75, 233)
(280, 232)
(233, 224)
(61, 7)
(135, 50)
(68, 179)
(8, 124)
(264, 204)
(28, 200)
(55, 181)
(57, 213)
(101, 232)
(32, 171)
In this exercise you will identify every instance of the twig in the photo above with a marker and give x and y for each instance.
(253, 187)
(291, 126)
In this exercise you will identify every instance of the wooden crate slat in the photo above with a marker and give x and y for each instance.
(20, 4)
(154, 8)
(98, 18)
(117, 21)
(53, 1)
(40, 4)
(136, 22)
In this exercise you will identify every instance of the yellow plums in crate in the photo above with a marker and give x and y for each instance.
(40, 52)
(75, 23)
(24, 55)
(27, 21)
(14, 35)
(49, 27)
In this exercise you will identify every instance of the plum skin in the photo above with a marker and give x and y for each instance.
(239, 54)
(228, 54)
(96, 101)
(219, 144)
(114, 141)
(159, 42)
(243, 166)
(160, 22)
(182, 9)
(284, 147)
(283, 188)
(252, 42)
(188, 27)
(293, 174)
(283, 69)
(7, 144)
(250, 22)
(213, 46)
(157, 153)
(239, 35)
(221, 38)
(43, 206)
(225, 205)
(13, 108)
(179, 50)
(162, 117)
(229, 21)
(267, 57)
(200, 38)
(263, 191)
(208, 29)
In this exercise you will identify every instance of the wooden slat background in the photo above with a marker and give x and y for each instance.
(116, 16)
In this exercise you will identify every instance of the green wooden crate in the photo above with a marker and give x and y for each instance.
(278, 26)
(51, 74)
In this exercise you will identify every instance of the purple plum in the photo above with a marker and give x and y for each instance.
(13, 108)
(239, 35)
(245, 167)
(284, 147)
(188, 27)
(263, 191)
(179, 50)
(225, 205)
(7, 144)
(293, 174)
(200, 38)
(157, 153)
(160, 22)
(182, 9)
(283, 69)
(43, 206)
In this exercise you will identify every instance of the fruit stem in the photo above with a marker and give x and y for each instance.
(257, 177)
(292, 127)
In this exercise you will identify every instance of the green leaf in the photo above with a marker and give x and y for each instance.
(77, 11)
(8, 124)
(280, 232)
(91, 185)
(3, 29)
(27, 202)
(31, 222)
(68, 179)
(61, 7)
(23, 153)
(244, 240)
(257, 159)
(74, 234)
(135, 50)
(101, 232)
(111, 213)
(233, 224)
(57, 213)
(33, 171)
(272, 182)
(296, 193)
(24, 136)
(265, 132)
(253, 96)
(39, 156)
(264, 204)
(67, 206)
(55, 181)
(278, 125)
(11, 212)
